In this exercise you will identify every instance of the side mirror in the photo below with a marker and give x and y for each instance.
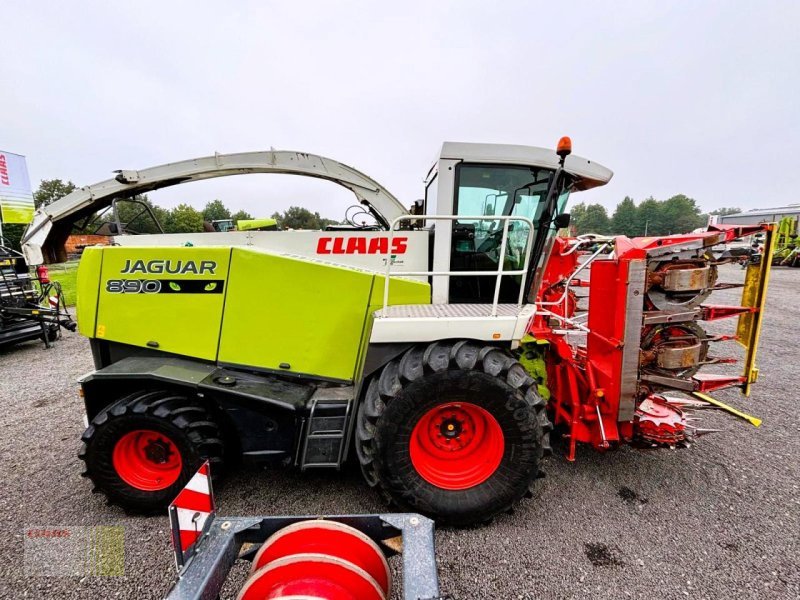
(107, 228)
(561, 221)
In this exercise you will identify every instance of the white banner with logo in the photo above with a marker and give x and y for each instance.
(16, 197)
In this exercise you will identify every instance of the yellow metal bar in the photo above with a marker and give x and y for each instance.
(754, 295)
(726, 407)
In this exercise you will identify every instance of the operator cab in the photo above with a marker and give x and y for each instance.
(474, 182)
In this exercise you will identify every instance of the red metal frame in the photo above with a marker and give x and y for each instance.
(585, 379)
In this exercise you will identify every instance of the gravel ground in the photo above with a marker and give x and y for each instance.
(718, 520)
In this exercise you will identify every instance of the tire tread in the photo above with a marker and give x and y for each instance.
(172, 410)
(417, 363)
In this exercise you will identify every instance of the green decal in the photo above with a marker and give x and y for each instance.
(174, 286)
(211, 286)
(532, 358)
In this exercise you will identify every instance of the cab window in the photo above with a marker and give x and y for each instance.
(485, 191)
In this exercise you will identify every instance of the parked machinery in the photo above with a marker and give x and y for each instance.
(439, 345)
(787, 246)
(31, 305)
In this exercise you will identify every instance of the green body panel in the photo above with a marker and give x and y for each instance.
(255, 224)
(401, 291)
(237, 306)
(88, 287)
(181, 318)
(282, 310)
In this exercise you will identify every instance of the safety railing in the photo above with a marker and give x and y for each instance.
(498, 274)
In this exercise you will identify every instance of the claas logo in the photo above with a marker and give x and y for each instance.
(361, 245)
(4, 179)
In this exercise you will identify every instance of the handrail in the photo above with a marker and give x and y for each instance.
(499, 273)
(587, 238)
(561, 301)
(566, 283)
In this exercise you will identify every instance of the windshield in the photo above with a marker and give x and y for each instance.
(501, 190)
(493, 190)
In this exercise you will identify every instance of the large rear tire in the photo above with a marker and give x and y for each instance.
(141, 450)
(454, 430)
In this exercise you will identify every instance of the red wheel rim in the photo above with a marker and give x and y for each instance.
(456, 446)
(147, 460)
(329, 538)
(311, 576)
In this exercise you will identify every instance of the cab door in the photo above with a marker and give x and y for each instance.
(487, 190)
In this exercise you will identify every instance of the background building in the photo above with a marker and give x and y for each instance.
(758, 215)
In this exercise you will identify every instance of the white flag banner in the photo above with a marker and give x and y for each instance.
(16, 197)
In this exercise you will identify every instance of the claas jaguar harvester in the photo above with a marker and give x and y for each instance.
(439, 344)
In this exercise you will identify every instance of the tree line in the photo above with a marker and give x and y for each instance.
(678, 214)
(182, 218)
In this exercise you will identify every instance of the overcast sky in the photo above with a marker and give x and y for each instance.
(698, 98)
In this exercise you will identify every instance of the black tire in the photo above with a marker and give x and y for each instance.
(188, 426)
(426, 377)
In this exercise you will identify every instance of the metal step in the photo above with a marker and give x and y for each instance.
(446, 311)
(326, 427)
(430, 322)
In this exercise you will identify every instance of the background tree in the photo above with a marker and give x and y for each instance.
(649, 217)
(162, 215)
(12, 234)
(241, 215)
(726, 210)
(135, 218)
(577, 215)
(625, 220)
(680, 214)
(216, 211)
(184, 219)
(592, 218)
(301, 218)
(51, 190)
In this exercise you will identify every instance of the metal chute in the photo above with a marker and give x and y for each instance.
(44, 239)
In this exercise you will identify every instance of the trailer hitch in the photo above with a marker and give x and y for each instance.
(299, 553)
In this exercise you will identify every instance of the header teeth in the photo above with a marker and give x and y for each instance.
(699, 432)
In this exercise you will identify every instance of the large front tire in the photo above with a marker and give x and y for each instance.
(141, 450)
(454, 430)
